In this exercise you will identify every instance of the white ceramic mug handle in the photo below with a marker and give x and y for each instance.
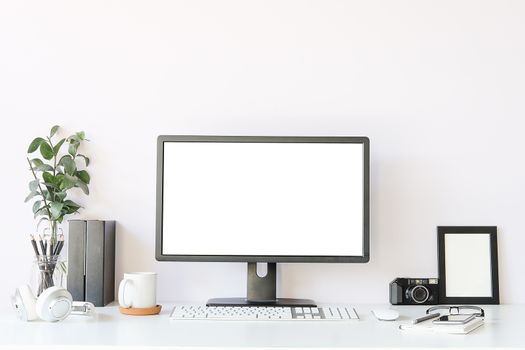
(122, 293)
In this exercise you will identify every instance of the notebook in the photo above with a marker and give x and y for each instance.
(441, 328)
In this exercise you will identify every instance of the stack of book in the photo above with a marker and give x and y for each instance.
(91, 261)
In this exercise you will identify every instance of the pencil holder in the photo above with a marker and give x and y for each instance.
(48, 271)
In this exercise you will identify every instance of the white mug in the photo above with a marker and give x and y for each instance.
(138, 290)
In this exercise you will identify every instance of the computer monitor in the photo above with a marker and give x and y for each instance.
(260, 199)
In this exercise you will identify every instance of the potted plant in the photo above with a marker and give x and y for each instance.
(54, 176)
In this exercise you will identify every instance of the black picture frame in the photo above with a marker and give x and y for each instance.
(442, 231)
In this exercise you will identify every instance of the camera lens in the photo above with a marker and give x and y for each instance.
(419, 294)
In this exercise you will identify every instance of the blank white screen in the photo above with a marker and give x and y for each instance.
(302, 199)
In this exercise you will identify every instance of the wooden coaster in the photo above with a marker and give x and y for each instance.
(140, 312)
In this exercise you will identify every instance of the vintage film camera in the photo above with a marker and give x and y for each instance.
(414, 291)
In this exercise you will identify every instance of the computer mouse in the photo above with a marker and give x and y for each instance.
(385, 314)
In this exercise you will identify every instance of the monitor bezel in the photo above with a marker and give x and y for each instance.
(263, 258)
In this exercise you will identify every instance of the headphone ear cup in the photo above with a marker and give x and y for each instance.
(54, 304)
(25, 303)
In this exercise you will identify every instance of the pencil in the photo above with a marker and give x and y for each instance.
(48, 246)
(33, 243)
(42, 248)
(60, 244)
(44, 242)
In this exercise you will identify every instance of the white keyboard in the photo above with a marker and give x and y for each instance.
(263, 313)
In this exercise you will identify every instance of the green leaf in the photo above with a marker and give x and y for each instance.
(44, 167)
(33, 186)
(49, 178)
(31, 195)
(73, 148)
(61, 161)
(71, 210)
(56, 148)
(83, 187)
(81, 135)
(68, 182)
(46, 150)
(40, 165)
(50, 186)
(56, 209)
(54, 129)
(69, 166)
(36, 206)
(47, 195)
(83, 176)
(35, 144)
(37, 161)
(73, 138)
(86, 159)
(41, 211)
(60, 196)
(71, 207)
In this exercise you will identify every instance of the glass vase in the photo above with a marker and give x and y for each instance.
(48, 271)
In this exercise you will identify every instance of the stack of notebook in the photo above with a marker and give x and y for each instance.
(444, 328)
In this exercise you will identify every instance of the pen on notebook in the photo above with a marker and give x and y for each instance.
(33, 243)
(424, 318)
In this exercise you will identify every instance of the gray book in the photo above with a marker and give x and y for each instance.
(100, 262)
(76, 258)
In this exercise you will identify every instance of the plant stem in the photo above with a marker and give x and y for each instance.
(53, 226)
(55, 162)
(40, 188)
(52, 223)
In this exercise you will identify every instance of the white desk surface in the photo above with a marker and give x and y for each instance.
(504, 327)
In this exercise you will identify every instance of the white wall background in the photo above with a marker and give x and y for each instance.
(438, 86)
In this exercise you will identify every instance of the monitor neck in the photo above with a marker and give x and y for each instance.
(261, 291)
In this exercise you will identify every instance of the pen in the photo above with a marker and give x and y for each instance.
(424, 318)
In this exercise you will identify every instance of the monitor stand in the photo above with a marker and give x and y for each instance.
(261, 292)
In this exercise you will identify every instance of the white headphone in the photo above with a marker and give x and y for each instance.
(54, 304)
